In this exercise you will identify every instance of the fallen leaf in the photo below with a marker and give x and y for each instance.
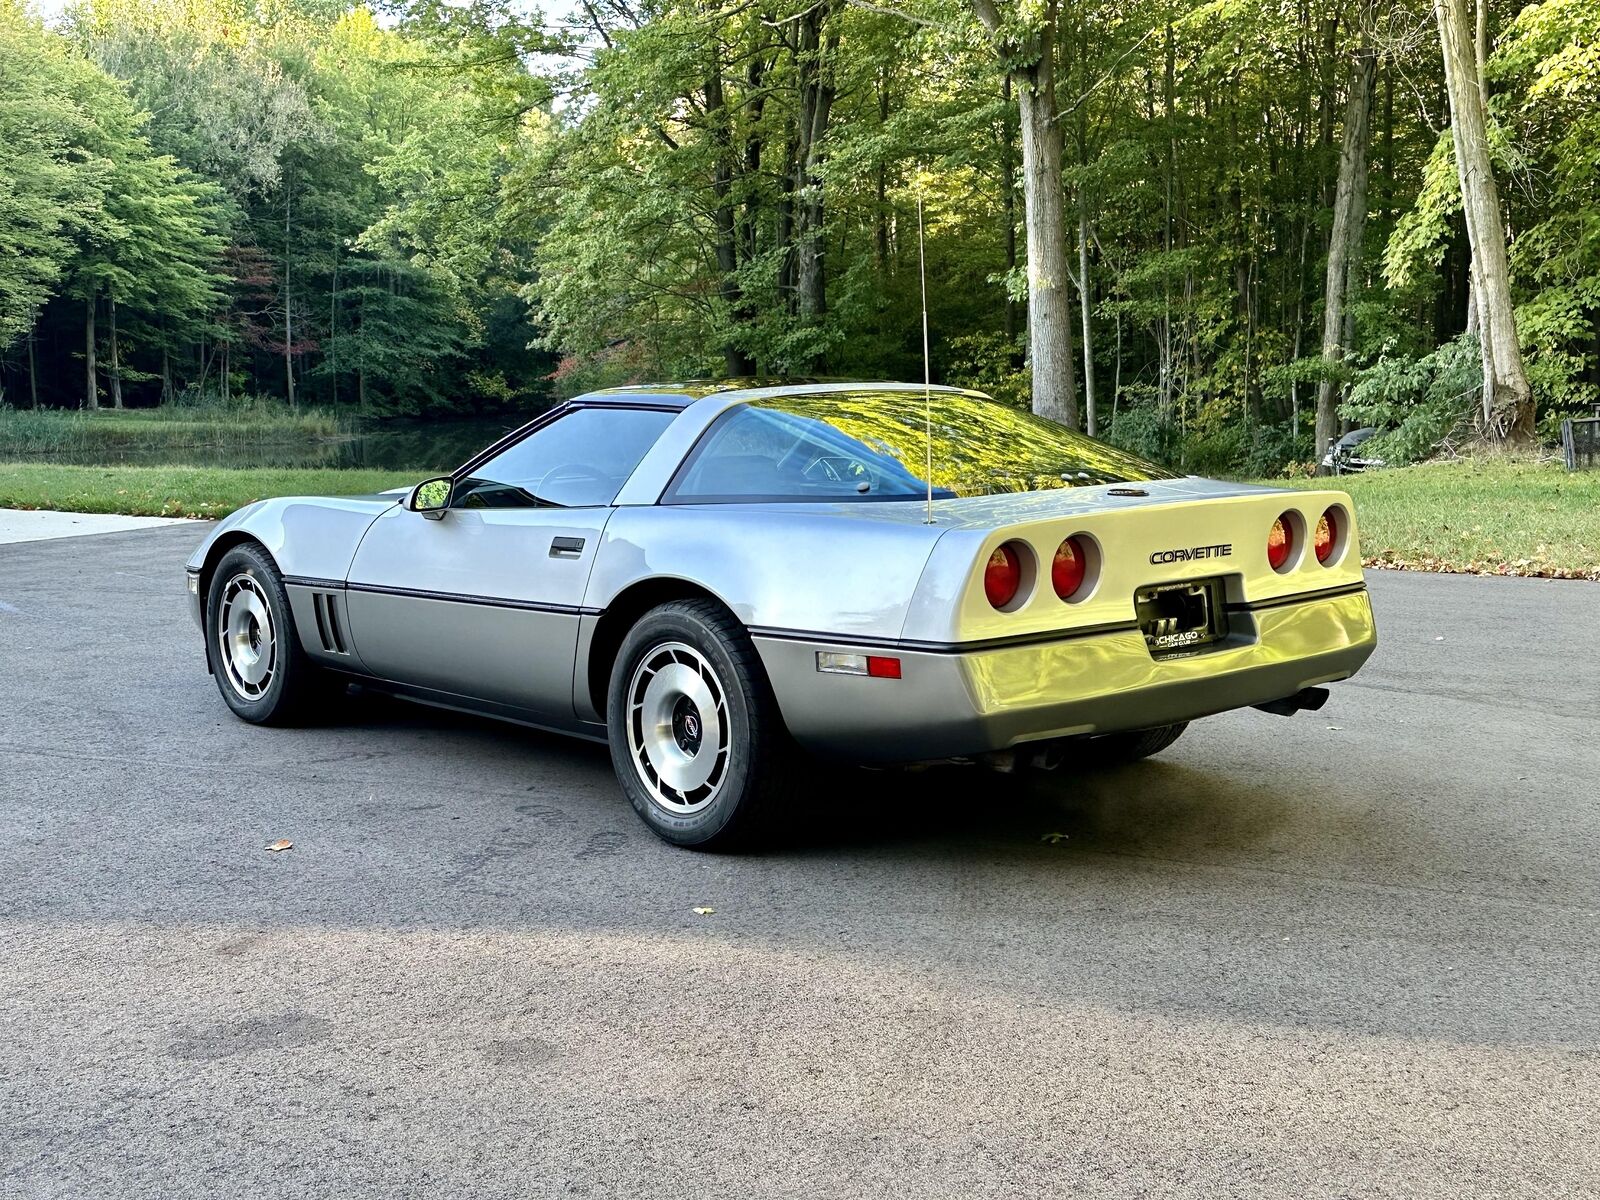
(280, 844)
(1054, 838)
(703, 912)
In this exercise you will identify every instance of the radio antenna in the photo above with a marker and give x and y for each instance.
(927, 370)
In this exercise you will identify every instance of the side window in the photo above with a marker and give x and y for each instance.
(767, 454)
(579, 460)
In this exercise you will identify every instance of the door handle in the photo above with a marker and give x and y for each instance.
(566, 547)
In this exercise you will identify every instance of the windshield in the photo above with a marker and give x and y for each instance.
(872, 446)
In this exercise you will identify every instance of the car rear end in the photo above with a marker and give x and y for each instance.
(1096, 610)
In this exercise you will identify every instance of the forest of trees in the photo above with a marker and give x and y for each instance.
(1202, 229)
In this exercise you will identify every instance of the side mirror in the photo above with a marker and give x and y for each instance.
(431, 498)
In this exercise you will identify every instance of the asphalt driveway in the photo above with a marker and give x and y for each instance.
(1347, 953)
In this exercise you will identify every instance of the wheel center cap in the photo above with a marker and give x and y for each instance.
(687, 727)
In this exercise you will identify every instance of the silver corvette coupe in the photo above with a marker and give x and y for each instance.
(719, 580)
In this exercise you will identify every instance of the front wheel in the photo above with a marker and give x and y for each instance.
(695, 735)
(262, 672)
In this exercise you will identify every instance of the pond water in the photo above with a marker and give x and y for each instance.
(425, 446)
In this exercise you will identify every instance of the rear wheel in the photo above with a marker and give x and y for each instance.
(1115, 748)
(695, 735)
(261, 670)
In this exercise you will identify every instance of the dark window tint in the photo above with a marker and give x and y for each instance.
(580, 460)
(875, 446)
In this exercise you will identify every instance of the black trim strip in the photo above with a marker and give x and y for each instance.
(1027, 639)
(311, 581)
(997, 643)
(1330, 593)
(570, 610)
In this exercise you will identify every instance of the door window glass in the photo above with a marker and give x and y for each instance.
(580, 460)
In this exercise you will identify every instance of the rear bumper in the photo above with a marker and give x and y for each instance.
(952, 702)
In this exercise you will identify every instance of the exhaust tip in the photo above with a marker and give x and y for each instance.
(1305, 700)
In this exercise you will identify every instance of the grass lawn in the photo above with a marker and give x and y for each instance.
(26, 431)
(1483, 516)
(177, 491)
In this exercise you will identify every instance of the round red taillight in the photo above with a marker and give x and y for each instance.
(1002, 577)
(1068, 569)
(1280, 542)
(1327, 534)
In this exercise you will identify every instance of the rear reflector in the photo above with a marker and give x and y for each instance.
(830, 662)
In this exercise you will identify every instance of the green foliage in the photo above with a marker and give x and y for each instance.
(52, 182)
(1142, 429)
(1419, 402)
(990, 363)
(471, 205)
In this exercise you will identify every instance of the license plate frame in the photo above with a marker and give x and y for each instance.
(1181, 618)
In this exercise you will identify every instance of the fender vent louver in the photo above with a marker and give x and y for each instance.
(326, 607)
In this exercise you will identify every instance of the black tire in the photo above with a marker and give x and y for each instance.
(291, 686)
(681, 659)
(1113, 749)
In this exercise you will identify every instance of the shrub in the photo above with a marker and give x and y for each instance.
(1417, 402)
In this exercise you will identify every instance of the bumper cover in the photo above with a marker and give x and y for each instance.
(958, 703)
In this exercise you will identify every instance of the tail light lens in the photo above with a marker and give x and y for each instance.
(1280, 542)
(1002, 576)
(1327, 534)
(1068, 569)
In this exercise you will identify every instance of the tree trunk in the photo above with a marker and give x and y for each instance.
(333, 328)
(1507, 399)
(288, 298)
(92, 392)
(33, 375)
(1008, 203)
(116, 355)
(735, 361)
(1049, 331)
(1049, 315)
(814, 57)
(881, 173)
(1085, 302)
(1344, 246)
(166, 376)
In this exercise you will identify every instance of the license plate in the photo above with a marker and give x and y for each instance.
(1177, 618)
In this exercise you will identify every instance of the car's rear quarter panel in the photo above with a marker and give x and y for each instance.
(784, 567)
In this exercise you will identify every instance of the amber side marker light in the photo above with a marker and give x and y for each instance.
(1327, 534)
(1280, 542)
